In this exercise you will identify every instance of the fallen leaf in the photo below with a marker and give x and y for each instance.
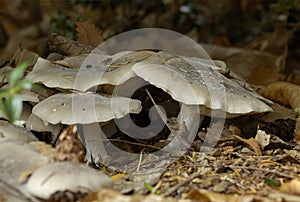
(297, 130)
(65, 46)
(118, 176)
(262, 138)
(88, 33)
(251, 142)
(258, 76)
(291, 187)
(253, 61)
(43, 148)
(284, 93)
(209, 196)
(106, 195)
(69, 147)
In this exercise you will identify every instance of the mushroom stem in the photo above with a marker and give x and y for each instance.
(159, 111)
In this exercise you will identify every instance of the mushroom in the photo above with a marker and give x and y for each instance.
(105, 70)
(36, 124)
(205, 87)
(84, 108)
(15, 159)
(62, 176)
(14, 132)
(195, 83)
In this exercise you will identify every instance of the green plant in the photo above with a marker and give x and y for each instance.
(150, 188)
(11, 104)
(272, 182)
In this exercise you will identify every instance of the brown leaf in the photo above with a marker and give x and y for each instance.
(209, 196)
(106, 195)
(297, 130)
(69, 147)
(258, 75)
(284, 93)
(291, 187)
(251, 142)
(88, 33)
(65, 46)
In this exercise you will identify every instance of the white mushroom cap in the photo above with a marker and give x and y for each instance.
(12, 132)
(84, 108)
(205, 87)
(16, 159)
(36, 124)
(94, 71)
(75, 61)
(64, 176)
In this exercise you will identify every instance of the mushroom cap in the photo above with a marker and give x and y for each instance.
(99, 69)
(17, 158)
(205, 87)
(36, 124)
(84, 108)
(63, 176)
(13, 132)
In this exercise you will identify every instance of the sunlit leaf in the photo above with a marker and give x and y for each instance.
(2, 112)
(14, 106)
(26, 84)
(150, 188)
(16, 74)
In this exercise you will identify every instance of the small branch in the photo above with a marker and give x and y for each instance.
(180, 184)
(264, 170)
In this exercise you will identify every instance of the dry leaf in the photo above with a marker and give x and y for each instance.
(262, 138)
(106, 195)
(43, 148)
(284, 93)
(258, 75)
(209, 196)
(291, 187)
(297, 130)
(65, 46)
(69, 147)
(251, 142)
(251, 60)
(88, 34)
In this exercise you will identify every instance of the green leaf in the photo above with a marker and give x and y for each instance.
(14, 106)
(150, 188)
(25, 84)
(2, 110)
(272, 182)
(16, 74)
(297, 111)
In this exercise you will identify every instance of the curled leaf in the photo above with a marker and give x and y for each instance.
(88, 34)
(284, 93)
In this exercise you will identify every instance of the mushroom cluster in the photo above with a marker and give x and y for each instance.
(86, 87)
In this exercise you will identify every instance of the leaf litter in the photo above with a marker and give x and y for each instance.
(239, 168)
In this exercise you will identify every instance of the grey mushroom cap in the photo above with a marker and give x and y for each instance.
(84, 108)
(91, 72)
(36, 124)
(9, 131)
(64, 176)
(17, 158)
(203, 87)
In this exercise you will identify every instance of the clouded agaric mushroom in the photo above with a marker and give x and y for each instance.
(66, 176)
(112, 70)
(84, 108)
(188, 80)
(205, 87)
(194, 83)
